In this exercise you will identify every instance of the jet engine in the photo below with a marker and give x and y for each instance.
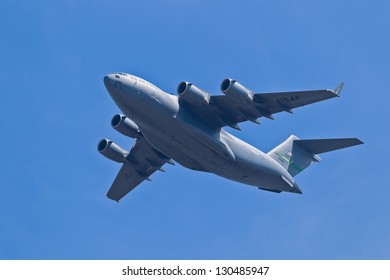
(125, 126)
(236, 91)
(112, 151)
(193, 94)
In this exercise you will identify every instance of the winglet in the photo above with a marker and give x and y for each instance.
(339, 88)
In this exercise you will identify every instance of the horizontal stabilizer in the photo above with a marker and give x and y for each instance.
(320, 146)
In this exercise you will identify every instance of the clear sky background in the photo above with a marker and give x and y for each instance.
(54, 109)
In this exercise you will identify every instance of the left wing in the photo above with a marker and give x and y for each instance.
(226, 111)
(142, 161)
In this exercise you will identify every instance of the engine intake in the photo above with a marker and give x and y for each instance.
(236, 91)
(125, 126)
(112, 151)
(193, 94)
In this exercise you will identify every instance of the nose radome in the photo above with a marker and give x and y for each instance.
(108, 80)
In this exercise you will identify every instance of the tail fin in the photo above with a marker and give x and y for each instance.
(295, 155)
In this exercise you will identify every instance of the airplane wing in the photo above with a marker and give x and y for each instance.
(226, 111)
(142, 161)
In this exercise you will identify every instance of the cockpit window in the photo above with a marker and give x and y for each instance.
(117, 76)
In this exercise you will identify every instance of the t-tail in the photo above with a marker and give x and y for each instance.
(295, 155)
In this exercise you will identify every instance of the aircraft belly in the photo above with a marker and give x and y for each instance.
(171, 139)
(176, 139)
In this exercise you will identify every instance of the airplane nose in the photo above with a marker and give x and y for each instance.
(112, 85)
(107, 81)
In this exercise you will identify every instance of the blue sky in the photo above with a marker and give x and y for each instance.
(54, 110)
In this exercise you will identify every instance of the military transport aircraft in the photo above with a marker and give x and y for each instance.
(188, 129)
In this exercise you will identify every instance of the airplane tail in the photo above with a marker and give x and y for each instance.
(295, 154)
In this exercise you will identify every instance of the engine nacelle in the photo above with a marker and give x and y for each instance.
(193, 94)
(125, 126)
(236, 91)
(112, 151)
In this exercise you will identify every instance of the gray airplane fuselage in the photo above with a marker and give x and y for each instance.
(191, 141)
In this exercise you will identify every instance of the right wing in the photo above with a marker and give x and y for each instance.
(232, 112)
(226, 111)
(142, 161)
